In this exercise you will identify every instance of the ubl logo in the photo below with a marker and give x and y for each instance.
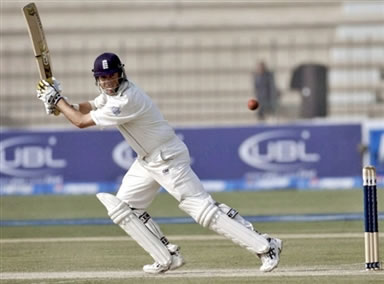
(29, 156)
(278, 151)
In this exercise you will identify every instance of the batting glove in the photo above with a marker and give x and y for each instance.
(51, 109)
(49, 92)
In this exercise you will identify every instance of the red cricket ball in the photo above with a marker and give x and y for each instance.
(253, 104)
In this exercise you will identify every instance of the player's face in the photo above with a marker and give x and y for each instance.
(109, 83)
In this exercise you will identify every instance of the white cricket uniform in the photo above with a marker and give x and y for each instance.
(163, 159)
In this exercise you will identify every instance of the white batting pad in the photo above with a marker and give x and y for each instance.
(207, 214)
(151, 225)
(201, 210)
(233, 214)
(109, 201)
(123, 215)
(239, 233)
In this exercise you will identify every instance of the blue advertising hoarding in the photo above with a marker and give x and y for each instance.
(241, 158)
(376, 149)
(280, 156)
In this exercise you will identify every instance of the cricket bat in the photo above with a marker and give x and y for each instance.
(39, 43)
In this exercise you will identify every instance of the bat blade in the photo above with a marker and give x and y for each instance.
(39, 42)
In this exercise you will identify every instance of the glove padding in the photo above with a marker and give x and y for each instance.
(51, 109)
(49, 92)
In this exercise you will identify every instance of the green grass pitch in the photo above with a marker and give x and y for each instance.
(320, 252)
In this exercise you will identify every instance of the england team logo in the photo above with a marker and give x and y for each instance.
(105, 64)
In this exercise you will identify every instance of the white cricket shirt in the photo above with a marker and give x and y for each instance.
(139, 120)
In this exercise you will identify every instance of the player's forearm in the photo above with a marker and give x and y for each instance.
(76, 117)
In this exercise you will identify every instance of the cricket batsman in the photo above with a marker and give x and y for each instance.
(162, 161)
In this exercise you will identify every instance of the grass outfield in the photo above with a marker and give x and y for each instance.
(324, 252)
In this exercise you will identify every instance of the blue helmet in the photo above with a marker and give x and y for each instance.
(107, 64)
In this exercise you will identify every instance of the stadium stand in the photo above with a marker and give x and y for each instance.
(196, 59)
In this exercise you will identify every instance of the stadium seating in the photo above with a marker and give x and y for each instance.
(196, 59)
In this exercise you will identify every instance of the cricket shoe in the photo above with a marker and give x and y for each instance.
(270, 260)
(177, 261)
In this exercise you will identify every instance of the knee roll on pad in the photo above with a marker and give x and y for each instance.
(202, 211)
(120, 212)
(123, 215)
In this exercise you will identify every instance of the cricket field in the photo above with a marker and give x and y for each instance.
(68, 239)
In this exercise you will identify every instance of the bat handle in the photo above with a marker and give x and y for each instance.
(56, 112)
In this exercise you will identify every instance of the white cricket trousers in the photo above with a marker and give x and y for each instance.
(167, 166)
